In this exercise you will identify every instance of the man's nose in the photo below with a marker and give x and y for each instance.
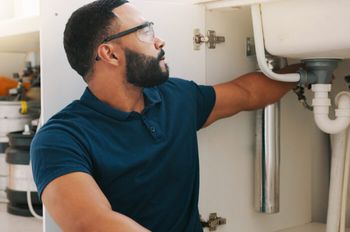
(159, 43)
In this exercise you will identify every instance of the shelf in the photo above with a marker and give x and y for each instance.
(312, 227)
(222, 4)
(20, 35)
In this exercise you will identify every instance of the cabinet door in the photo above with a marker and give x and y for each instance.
(227, 147)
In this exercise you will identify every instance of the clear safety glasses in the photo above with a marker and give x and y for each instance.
(144, 32)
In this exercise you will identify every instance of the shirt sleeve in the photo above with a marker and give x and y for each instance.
(55, 152)
(205, 99)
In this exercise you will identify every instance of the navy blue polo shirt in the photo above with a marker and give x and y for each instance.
(146, 164)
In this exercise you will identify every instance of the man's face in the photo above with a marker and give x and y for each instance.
(144, 59)
(145, 71)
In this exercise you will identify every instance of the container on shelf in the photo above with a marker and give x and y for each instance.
(20, 176)
(10, 120)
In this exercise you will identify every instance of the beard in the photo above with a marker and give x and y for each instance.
(145, 71)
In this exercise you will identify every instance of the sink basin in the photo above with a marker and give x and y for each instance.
(307, 28)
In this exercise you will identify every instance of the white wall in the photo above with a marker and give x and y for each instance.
(6, 9)
(24, 8)
(18, 8)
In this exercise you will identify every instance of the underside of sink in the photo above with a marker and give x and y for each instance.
(307, 29)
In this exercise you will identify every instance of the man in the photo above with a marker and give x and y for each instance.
(124, 157)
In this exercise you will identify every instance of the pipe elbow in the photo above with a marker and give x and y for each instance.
(321, 110)
(342, 100)
(331, 126)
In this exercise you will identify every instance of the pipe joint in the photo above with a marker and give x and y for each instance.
(342, 100)
(317, 88)
(306, 78)
(321, 110)
(317, 71)
(321, 104)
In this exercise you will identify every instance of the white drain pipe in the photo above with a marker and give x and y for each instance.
(29, 198)
(260, 50)
(336, 182)
(321, 104)
(340, 153)
(345, 183)
(338, 189)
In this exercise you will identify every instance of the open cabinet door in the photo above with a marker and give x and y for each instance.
(227, 148)
(174, 22)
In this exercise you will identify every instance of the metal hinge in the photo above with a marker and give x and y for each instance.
(213, 222)
(250, 47)
(211, 39)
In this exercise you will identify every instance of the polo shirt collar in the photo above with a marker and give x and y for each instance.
(152, 97)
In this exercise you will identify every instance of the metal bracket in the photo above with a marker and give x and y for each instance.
(213, 222)
(211, 39)
(250, 47)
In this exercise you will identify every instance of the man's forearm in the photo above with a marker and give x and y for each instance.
(248, 92)
(262, 90)
(116, 222)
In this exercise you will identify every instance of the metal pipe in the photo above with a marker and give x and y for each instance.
(267, 160)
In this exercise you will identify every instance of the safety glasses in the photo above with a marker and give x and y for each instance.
(144, 32)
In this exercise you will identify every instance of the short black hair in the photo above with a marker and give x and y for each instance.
(84, 32)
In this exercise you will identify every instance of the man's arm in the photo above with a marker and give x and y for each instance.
(77, 204)
(248, 92)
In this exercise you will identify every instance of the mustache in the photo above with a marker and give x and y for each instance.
(160, 55)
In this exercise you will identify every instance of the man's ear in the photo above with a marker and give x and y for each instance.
(107, 53)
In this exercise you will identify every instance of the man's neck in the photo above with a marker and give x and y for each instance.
(119, 95)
